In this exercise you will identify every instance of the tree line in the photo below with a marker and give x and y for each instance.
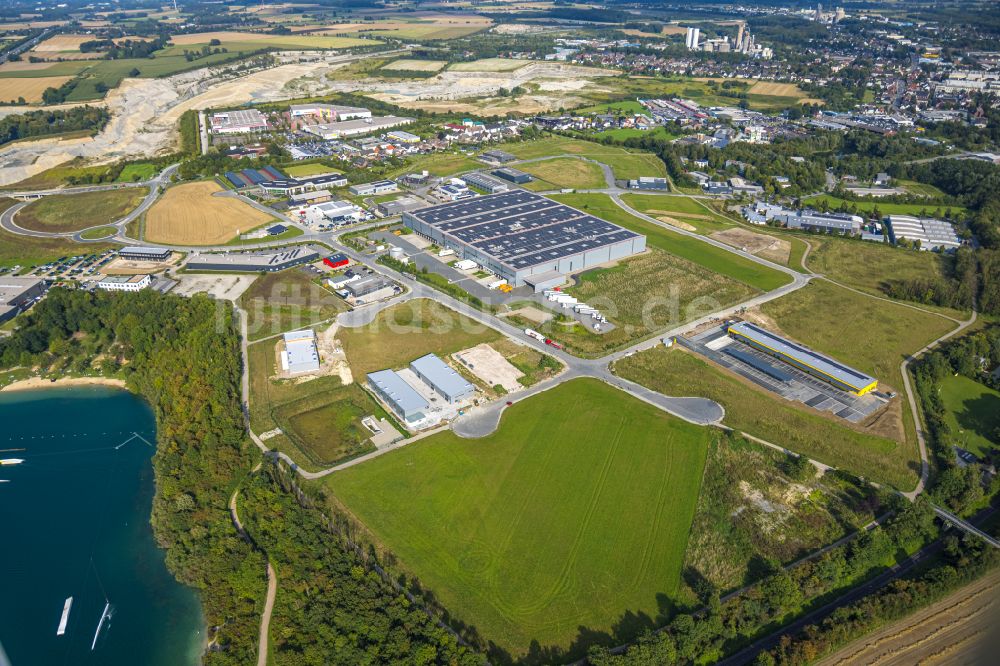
(332, 606)
(44, 123)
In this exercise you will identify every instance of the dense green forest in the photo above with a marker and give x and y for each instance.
(333, 608)
(182, 355)
(44, 123)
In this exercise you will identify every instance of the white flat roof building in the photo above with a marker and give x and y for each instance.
(337, 130)
(125, 282)
(242, 121)
(300, 353)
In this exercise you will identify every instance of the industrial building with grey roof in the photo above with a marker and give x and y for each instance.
(819, 365)
(521, 236)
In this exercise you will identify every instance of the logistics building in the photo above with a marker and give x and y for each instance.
(485, 182)
(401, 398)
(798, 356)
(288, 187)
(300, 353)
(242, 121)
(515, 176)
(374, 188)
(144, 253)
(17, 293)
(266, 261)
(648, 183)
(337, 130)
(399, 206)
(328, 112)
(442, 378)
(524, 237)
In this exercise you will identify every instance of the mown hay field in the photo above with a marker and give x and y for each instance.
(775, 89)
(565, 172)
(554, 523)
(30, 89)
(188, 214)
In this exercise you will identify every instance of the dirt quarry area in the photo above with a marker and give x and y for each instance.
(551, 85)
(761, 245)
(956, 630)
(144, 115)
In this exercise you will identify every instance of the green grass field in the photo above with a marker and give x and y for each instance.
(407, 331)
(630, 133)
(713, 258)
(27, 251)
(972, 412)
(701, 92)
(870, 266)
(765, 415)
(920, 210)
(304, 170)
(285, 301)
(624, 163)
(320, 419)
(133, 173)
(642, 295)
(920, 189)
(552, 528)
(73, 212)
(565, 172)
(99, 232)
(439, 164)
(704, 220)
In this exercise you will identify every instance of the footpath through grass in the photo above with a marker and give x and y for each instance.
(549, 530)
(72, 212)
(750, 409)
(711, 257)
(286, 301)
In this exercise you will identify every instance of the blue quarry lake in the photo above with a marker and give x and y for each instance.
(75, 522)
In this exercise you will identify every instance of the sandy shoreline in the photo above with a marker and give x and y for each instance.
(42, 382)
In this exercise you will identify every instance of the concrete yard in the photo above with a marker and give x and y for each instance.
(224, 287)
(490, 366)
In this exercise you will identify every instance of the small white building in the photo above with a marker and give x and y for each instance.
(125, 282)
(300, 353)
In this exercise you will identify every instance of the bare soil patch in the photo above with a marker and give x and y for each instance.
(761, 245)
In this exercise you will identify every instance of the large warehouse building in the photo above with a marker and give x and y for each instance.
(523, 237)
(267, 261)
(442, 378)
(402, 399)
(803, 358)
